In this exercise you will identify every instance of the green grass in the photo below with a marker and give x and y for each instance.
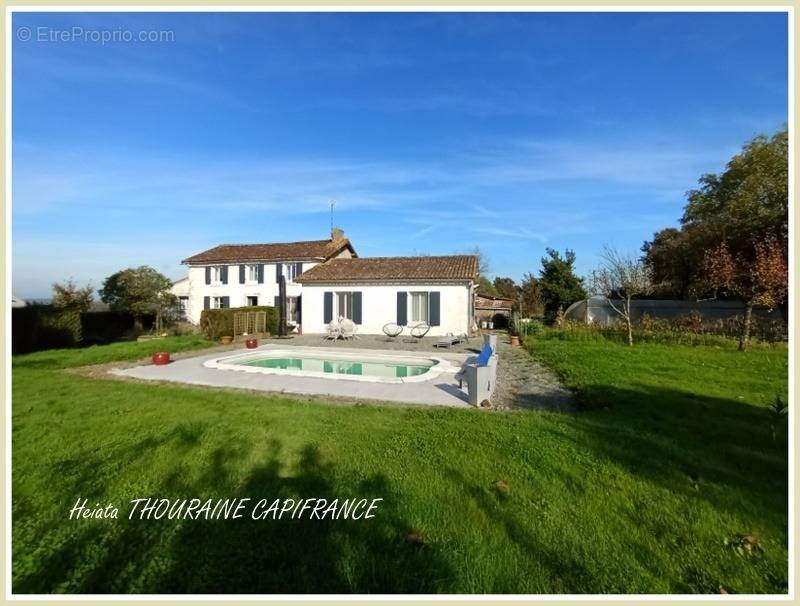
(643, 491)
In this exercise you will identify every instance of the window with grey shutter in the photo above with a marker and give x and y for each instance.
(402, 309)
(434, 318)
(241, 274)
(223, 274)
(327, 308)
(357, 307)
(208, 275)
(278, 272)
(224, 302)
(261, 274)
(206, 302)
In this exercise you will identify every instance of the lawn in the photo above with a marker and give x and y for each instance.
(646, 489)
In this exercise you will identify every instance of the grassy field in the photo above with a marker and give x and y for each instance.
(647, 489)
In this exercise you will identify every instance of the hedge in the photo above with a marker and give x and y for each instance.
(37, 327)
(216, 323)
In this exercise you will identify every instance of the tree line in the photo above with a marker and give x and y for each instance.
(731, 243)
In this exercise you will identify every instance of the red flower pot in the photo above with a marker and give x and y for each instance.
(161, 358)
(251, 343)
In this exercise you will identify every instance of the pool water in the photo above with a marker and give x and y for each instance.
(372, 368)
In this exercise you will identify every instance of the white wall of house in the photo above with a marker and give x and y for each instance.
(379, 306)
(237, 292)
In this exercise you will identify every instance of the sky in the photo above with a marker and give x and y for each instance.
(433, 132)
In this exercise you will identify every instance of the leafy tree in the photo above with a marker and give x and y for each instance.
(485, 286)
(140, 291)
(69, 302)
(622, 277)
(673, 259)
(506, 287)
(747, 203)
(72, 297)
(762, 280)
(531, 301)
(559, 285)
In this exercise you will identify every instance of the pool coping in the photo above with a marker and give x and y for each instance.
(441, 365)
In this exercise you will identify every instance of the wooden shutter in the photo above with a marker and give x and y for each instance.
(278, 272)
(402, 309)
(225, 302)
(224, 274)
(208, 275)
(357, 307)
(241, 274)
(261, 273)
(298, 269)
(206, 302)
(327, 305)
(434, 318)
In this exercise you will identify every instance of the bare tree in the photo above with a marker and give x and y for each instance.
(623, 277)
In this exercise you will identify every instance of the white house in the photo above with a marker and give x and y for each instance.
(403, 290)
(326, 280)
(241, 275)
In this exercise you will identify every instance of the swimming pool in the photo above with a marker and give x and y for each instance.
(332, 364)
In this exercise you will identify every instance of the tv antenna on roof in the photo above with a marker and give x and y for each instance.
(332, 204)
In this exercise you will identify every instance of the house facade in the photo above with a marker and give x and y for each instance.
(326, 280)
(372, 292)
(245, 275)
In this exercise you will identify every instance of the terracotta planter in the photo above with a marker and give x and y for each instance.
(251, 343)
(514, 340)
(226, 340)
(160, 358)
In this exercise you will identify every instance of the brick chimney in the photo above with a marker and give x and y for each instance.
(337, 233)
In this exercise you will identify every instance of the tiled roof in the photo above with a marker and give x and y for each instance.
(312, 250)
(454, 267)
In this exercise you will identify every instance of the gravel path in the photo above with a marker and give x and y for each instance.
(524, 383)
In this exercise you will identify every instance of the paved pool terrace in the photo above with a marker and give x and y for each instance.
(440, 390)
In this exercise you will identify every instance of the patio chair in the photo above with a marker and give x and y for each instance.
(447, 340)
(419, 331)
(392, 330)
(334, 330)
(348, 330)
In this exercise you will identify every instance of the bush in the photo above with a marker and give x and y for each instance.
(684, 330)
(216, 323)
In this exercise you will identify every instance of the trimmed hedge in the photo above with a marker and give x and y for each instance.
(38, 327)
(216, 323)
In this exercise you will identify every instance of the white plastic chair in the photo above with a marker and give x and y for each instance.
(334, 330)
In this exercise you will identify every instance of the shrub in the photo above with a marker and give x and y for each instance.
(216, 323)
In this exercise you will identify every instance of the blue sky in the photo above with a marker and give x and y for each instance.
(435, 133)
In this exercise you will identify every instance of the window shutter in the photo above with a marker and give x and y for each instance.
(241, 274)
(327, 305)
(208, 275)
(276, 301)
(433, 308)
(224, 274)
(298, 269)
(261, 274)
(299, 309)
(206, 302)
(402, 309)
(278, 271)
(225, 302)
(357, 307)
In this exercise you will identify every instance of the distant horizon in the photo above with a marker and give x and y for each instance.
(434, 132)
